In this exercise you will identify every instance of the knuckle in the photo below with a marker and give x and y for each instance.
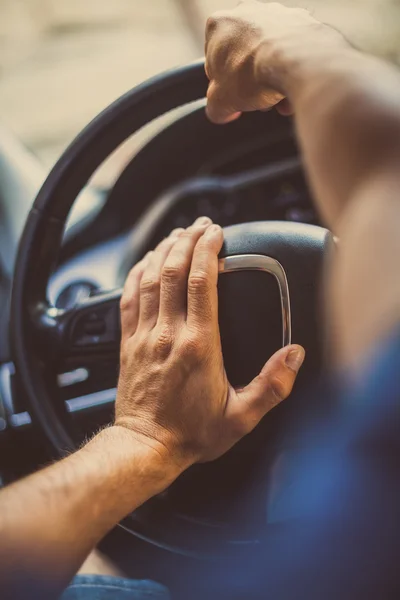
(193, 347)
(198, 283)
(212, 22)
(141, 350)
(278, 387)
(186, 239)
(164, 342)
(149, 284)
(171, 272)
(211, 92)
(126, 302)
(186, 235)
(176, 232)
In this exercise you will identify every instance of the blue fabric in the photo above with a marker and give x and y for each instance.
(105, 587)
(334, 523)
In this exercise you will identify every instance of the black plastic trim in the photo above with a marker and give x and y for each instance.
(43, 231)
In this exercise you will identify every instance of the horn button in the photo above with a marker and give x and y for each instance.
(269, 294)
(256, 262)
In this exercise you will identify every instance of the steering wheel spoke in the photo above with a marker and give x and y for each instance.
(67, 361)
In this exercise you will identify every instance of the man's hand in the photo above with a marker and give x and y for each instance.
(243, 48)
(347, 119)
(173, 391)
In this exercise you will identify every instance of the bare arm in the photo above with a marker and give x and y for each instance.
(347, 115)
(174, 407)
(50, 521)
(348, 123)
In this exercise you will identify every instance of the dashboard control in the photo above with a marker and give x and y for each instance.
(95, 324)
(13, 411)
(276, 192)
(72, 377)
(15, 414)
(96, 327)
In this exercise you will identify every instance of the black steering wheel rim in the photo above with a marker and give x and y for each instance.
(42, 238)
(46, 221)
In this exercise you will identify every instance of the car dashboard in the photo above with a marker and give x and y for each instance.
(261, 176)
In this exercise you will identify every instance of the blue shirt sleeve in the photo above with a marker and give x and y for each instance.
(333, 527)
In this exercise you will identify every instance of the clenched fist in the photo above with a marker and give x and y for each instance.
(173, 391)
(249, 52)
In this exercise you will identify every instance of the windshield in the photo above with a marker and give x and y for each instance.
(62, 61)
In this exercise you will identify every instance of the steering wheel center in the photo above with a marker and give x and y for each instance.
(268, 296)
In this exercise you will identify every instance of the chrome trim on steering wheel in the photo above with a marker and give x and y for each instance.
(259, 262)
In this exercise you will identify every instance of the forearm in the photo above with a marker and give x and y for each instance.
(363, 292)
(51, 520)
(347, 112)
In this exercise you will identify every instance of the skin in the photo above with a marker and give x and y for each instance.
(347, 117)
(175, 406)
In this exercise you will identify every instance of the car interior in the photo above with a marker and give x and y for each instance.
(62, 270)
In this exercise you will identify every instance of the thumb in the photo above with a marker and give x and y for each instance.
(219, 110)
(273, 384)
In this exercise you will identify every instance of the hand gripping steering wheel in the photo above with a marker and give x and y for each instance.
(270, 283)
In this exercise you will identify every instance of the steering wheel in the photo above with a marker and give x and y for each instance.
(268, 290)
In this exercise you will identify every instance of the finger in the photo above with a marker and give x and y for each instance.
(151, 280)
(130, 299)
(233, 117)
(285, 108)
(222, 108)
(270, 387)
(219, 110)
(175, 272)
(207, 70)
(203, 278)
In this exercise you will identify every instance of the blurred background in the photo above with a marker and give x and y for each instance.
(62, 61)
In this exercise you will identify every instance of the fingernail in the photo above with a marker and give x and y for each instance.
(213, 231)
(233, 117)
(295, 358)
(202, 222)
